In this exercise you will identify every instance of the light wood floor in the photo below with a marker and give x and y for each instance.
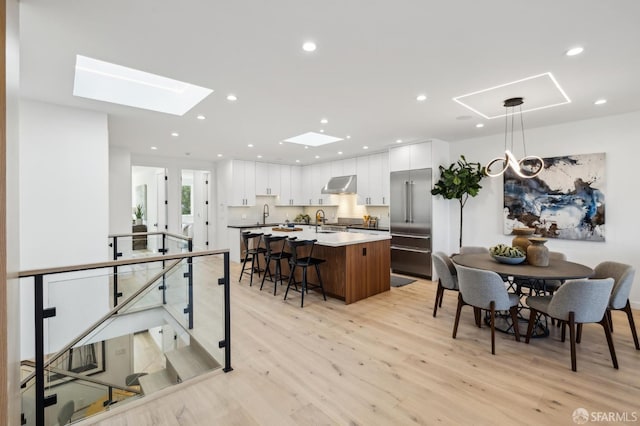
(386, 360)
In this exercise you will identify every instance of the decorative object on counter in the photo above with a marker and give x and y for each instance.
(289, 228)
(303, 218)
(459, 181)
(567, 200)
(529, 166)
(521, 238)
(139, 213)
(507, 254)
(537, 252)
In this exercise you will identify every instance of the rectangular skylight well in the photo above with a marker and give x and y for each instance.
(313, 139)
(104, 81)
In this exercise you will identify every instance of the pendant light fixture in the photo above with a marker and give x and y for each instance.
(526, 168)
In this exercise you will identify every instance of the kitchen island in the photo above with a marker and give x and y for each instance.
(357, 265)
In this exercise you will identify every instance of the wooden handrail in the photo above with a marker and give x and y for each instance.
(135, 234)
(112, 263)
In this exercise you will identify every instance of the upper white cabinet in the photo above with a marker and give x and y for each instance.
(267, 179)
(373, 179)
(410, 157)
(243, 181)
(343, 167)
(314, 178)
(290, 186)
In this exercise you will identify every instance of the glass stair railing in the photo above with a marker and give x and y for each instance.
(171, 324)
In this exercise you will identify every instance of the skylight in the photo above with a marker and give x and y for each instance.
(104, 81)
(313, 139)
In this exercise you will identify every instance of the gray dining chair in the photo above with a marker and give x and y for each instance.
(576, 302)
(485, 290)
(473, 250)
(623, 276)
(447, 277)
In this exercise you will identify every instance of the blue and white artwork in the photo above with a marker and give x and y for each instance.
(566, 200)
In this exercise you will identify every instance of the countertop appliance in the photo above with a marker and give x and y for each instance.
(410, 211)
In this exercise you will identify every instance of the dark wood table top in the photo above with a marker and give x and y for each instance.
(557, 269)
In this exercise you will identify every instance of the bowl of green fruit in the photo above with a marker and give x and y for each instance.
(507, 254)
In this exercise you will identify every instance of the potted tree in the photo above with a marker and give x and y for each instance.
(459, 181)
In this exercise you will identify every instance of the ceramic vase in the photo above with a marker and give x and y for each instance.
(537, 252)
(521, 238)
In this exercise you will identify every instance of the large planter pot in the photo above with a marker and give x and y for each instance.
(521, 238)
(537, 252)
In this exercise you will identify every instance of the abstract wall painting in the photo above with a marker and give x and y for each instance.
(566, 200)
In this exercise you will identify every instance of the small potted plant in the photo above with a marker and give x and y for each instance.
(137, 211)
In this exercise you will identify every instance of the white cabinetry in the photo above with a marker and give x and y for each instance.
(314, 178)
(343, 167)
(410, 157)
(243, 181)
(290, 186)
(373, 179)
(267, 179)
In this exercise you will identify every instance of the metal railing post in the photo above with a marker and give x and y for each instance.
(116, 255)
(190, 271)
(227, 315)
(164, 277)
(39, 336)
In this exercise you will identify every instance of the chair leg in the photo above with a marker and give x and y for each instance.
(457, 320)
(632, 324)
(579, 333)
(293, 268)
(244, 263)
(438, 296)
(572, 339)
(564, 331)
(264, 276)
(492, 309)
(610, 320)
(532, 320)
(304, 286)
(514, 317)
(605, 324)
(477, 313)
(253, 259)
(278, 275)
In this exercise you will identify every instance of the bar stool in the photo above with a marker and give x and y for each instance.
(252, 250)
(300, 259)
(275, 251)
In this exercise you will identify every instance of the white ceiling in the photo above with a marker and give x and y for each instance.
(373, 58)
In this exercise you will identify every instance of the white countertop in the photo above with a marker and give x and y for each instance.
(335, 239)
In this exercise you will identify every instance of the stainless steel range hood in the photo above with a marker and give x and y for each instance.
(340, 185)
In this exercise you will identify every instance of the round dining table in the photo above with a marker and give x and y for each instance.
(557, 269)
(534, 276)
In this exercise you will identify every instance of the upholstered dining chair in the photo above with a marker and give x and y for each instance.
(623, 276)
(447, 277)
(473, 250)
(485, 290)
(576, 302)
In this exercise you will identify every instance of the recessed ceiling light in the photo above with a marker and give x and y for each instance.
(306, 147)
(107, 82)
(250, 145)
(321, 130)
(259, 156)
(153, 148)
(348, 136)
(421, 98)
(398, 140)
(324, 121)
(309, 46)
(297, 161)
(231, 97)
(479, 125)
(317, 156)
(575, 51)
(175, 134)
(280, 142)
(600, 102)
(339, 152)
(313, 139)
(201, 117)
(365, 147)
(219, 155)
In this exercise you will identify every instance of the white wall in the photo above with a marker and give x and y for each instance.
(617, 136)
(64, 211)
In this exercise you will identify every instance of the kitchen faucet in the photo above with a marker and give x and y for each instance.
(317, 215)
(265, 213)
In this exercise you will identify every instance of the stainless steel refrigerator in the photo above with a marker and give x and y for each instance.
(410, 207)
